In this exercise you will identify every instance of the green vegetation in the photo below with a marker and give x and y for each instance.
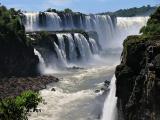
(18, 108)
(67, 10)
(150, 32)
(51, 10)
(153, 24)
(10, 24)
(144, 10)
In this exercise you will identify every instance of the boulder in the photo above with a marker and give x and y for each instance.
(53, 89)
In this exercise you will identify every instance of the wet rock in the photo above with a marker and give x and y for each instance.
(103, 89)
(97, 91)
(53, 89)
(75, 68)
(56, 79)
(106, 83)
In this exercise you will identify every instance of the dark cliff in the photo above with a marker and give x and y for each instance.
(138, 75)
(16, 53)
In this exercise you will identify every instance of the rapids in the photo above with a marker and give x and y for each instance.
(75, 97)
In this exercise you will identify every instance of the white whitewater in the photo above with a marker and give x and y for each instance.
(86, 50)
(74, 98)
(83, 46)
(110, 109)
(42, 65)
(94, 46)
(60, 54)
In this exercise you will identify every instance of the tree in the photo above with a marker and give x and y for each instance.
(153, 24)
(18, 108)
(67, 10)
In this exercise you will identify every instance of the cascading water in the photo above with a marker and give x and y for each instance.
(74, 98)
(127, 26)
(109, 29)
(110, 110)
(94, 46)
(83, 46)
(69, 49)
(42, 65)
(102, 24)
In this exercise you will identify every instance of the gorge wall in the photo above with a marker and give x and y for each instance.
(138, 75)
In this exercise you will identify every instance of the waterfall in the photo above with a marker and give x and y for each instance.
(75, 47)
(110, 110)
(109, 29)
(94, 46)
(66, 49)
(42, 65)
(50, 21)
(60, 54)
(83, 46)
(127, 26)
(31, 21)
(72, 48)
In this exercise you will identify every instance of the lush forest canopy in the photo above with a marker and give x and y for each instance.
(144, 10)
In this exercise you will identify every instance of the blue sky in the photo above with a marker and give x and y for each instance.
(86, 6)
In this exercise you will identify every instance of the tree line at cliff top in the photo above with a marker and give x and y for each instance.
(141, 11)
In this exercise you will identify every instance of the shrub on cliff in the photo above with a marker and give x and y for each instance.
(67, 10)
(153, 24)
(10, 23)
(18, 108)
(51, 10)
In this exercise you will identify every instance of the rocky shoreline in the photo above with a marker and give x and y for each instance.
(14, 86)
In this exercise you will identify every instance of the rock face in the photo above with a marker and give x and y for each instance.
(138, 79)
(17, 59)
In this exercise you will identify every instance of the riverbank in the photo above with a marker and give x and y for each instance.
(14, 86)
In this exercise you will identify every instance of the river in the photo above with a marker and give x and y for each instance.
(75, 97)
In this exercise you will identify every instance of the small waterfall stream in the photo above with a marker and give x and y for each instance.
(41, 66)
(110, 110)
